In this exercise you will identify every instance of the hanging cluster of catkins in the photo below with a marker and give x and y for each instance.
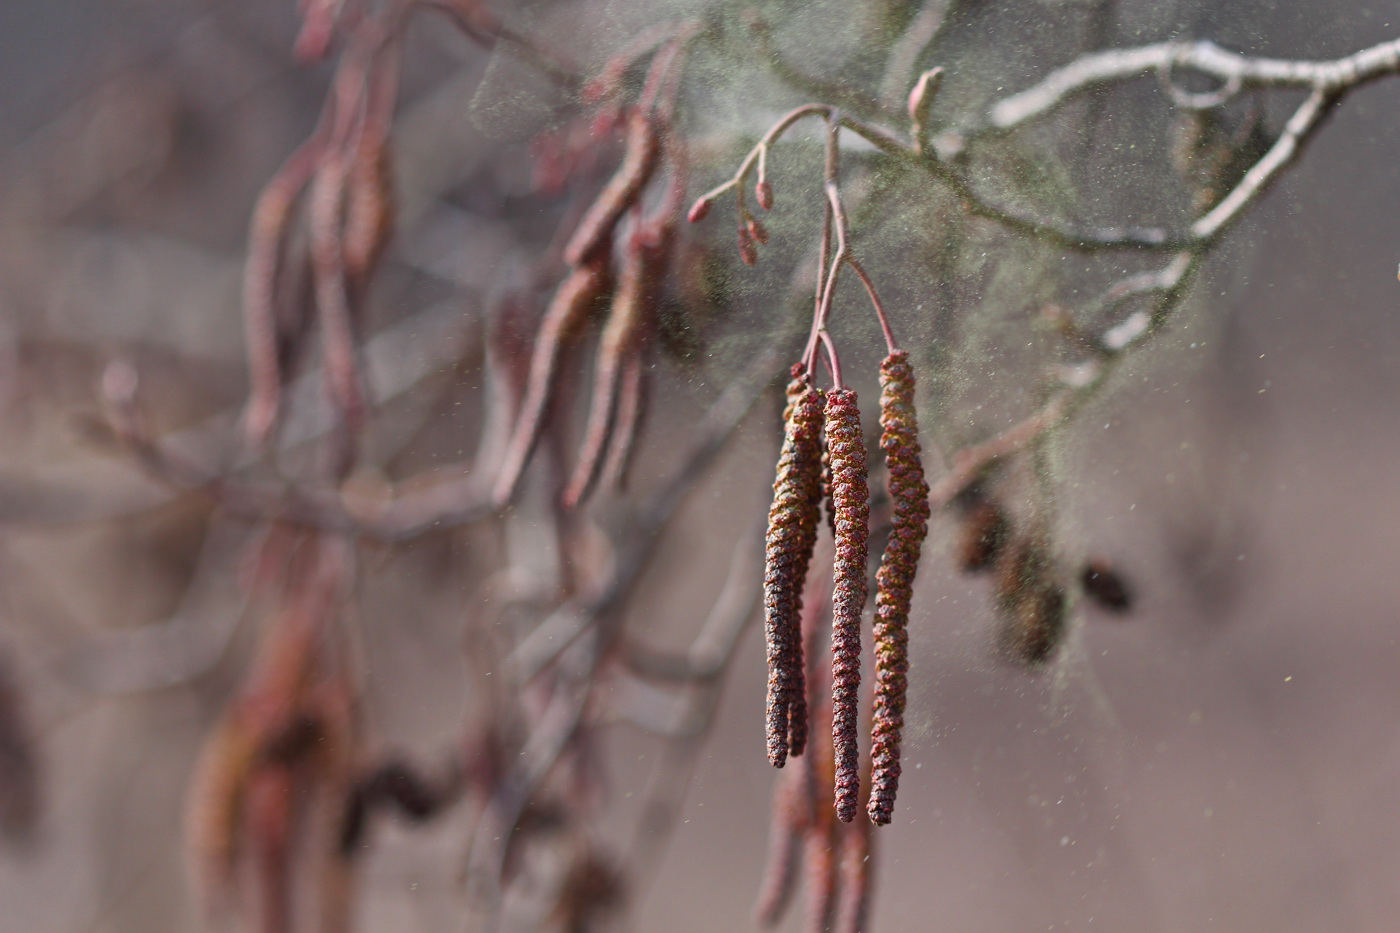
(818, 424)
(823, 458)
(617, 261)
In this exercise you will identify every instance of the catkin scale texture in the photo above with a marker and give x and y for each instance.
(851, 495)
(811, 519)
(791, 534)
(895, 581)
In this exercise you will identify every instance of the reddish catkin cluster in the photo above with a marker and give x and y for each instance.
(825, 460)
(622, 227)
(851, 495)
(895, 581)
(792, 533)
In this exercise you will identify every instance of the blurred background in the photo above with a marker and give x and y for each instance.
(1221, 757)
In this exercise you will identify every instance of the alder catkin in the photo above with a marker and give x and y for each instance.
(573, 303)
(895, 580)
(639, 161)
(851, 495)
(789, 825)
(791, 534)
(857, 879)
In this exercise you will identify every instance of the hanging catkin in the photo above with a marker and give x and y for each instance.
(791, 534)
(852, 500)
(895, 581)
(811, 519)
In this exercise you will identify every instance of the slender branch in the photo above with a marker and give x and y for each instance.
(843, 95)
(833, 196)
(1306, 120)
(909, 152)
(485, 27)
(1079, 386)
(1084, 74)
(825, 267)
(760, 150)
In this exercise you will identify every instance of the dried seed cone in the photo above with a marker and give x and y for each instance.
(985, 531)
(895, 581)
(1033, 604)
(851, 494)
(792, 525)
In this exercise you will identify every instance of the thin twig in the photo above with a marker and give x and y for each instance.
(833, 196)
(1090, 71)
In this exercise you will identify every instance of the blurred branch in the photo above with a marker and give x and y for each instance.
(573, 618)
(840, 94)
(483, 26)
(1232, 69)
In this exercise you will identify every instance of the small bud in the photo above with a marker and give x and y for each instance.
(922, 96)
(757, 231)
(1105, 586)
(763, 192)
(699, 210)
(748, 252)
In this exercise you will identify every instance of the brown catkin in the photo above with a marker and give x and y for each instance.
(570, 308)
(857, 879)
(639, 161)
(791, 534)
(851, 494)
(811, 519)
(985, 531)
(895, 581)
(623, 335)
(789, 826)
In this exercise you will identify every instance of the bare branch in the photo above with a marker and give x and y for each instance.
(1091, 71)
